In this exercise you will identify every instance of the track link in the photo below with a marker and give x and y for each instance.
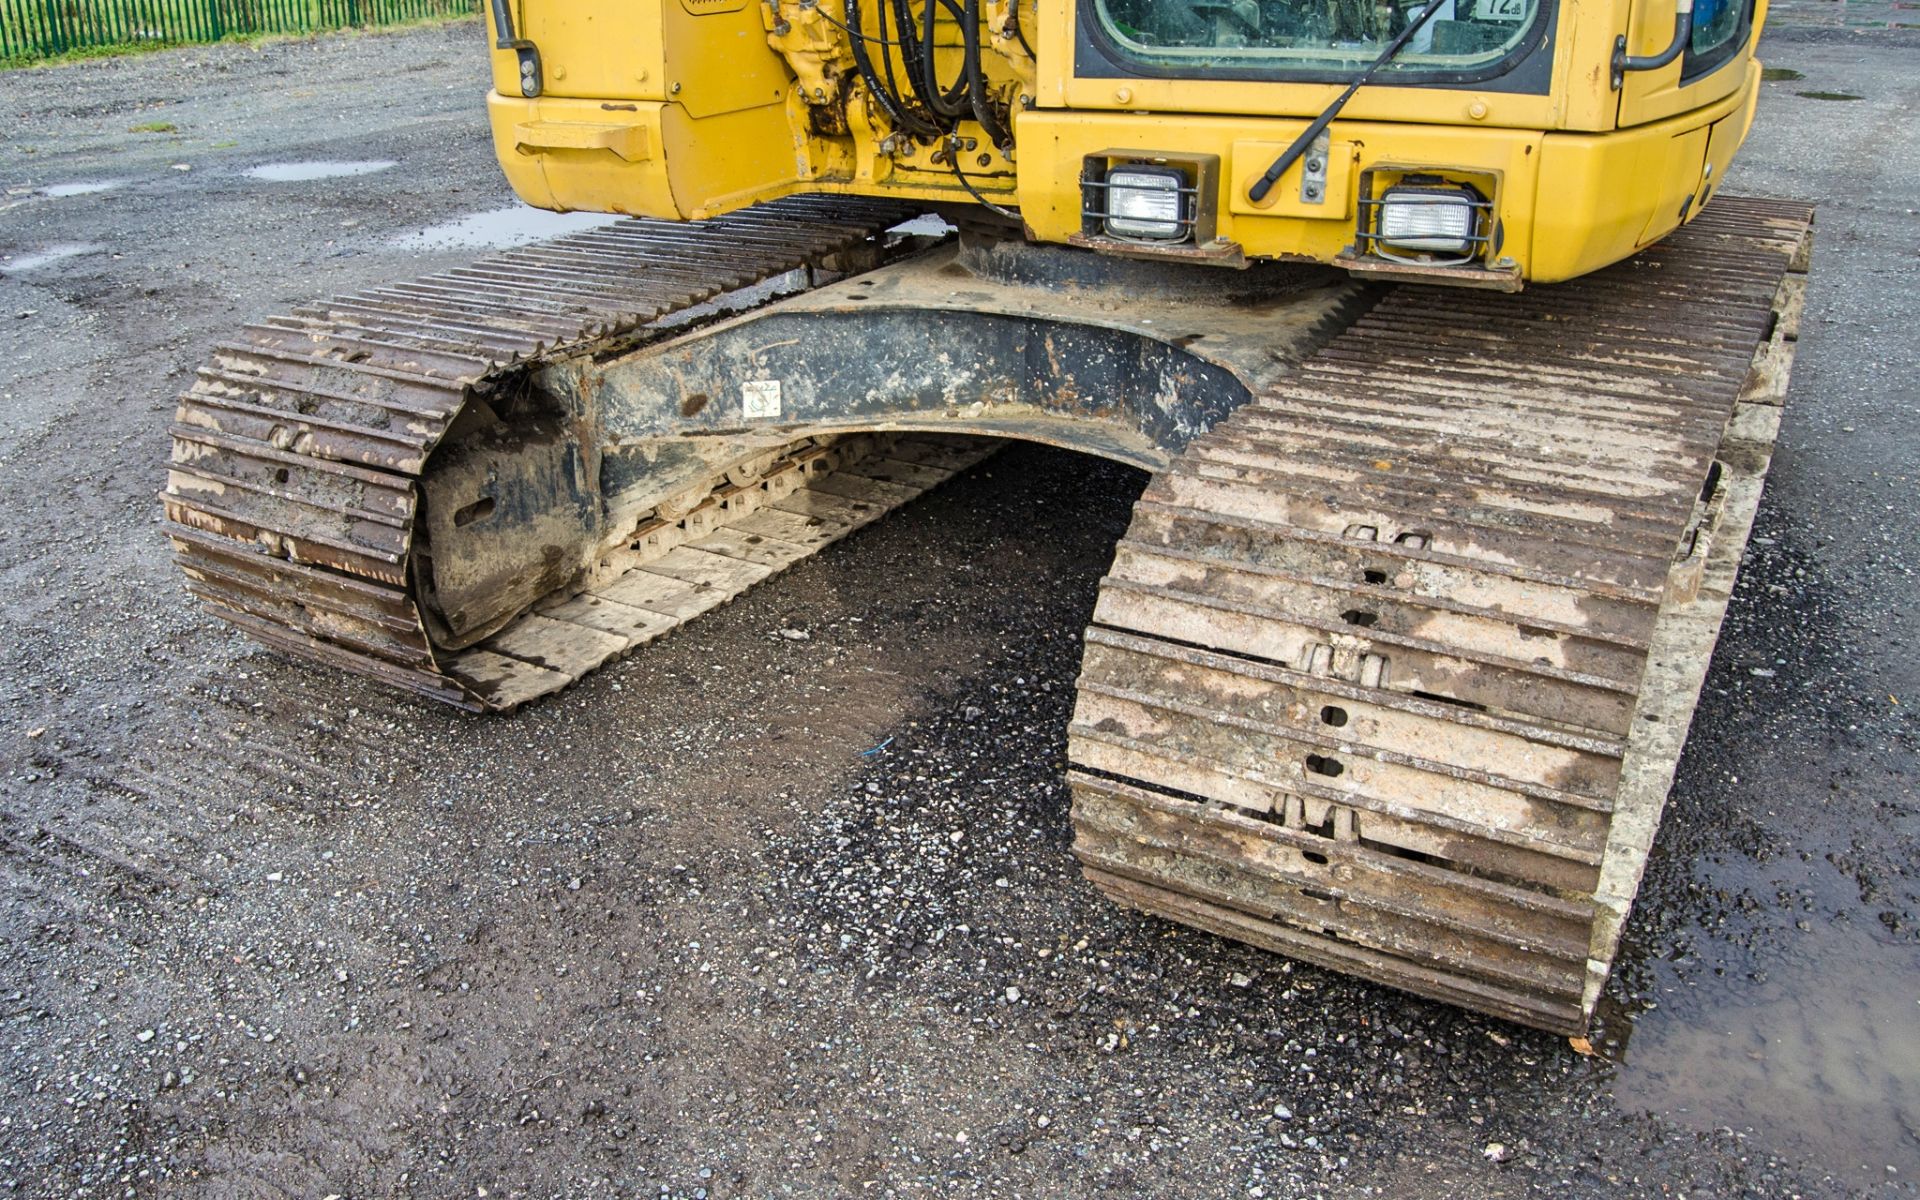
(293, 496)
(1393, 667)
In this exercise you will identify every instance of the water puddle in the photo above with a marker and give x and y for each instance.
(82, 189)
(1829, 96)
(1821, 1055)
(51, 254)
(301, 172)
(500, 228)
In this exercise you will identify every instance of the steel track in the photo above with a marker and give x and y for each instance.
(1393, 667)
(294, 500)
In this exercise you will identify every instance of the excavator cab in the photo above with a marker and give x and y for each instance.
(1482, 143)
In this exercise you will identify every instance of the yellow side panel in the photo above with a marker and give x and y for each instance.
(718, 60)
(505, 67)
(606, 51)
(647, 159)
(723, 162)
(550, 175)
(1726, 138)
(709, 56)
(1732, 131)
(1673, 183)
(1613, 193)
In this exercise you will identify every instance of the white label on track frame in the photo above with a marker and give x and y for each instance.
(760, 399)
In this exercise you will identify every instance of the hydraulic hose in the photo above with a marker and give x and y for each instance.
(950, 103)
(902, 118)
(976, 79)
(908, 37)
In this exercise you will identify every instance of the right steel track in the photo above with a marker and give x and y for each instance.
(1393, 668)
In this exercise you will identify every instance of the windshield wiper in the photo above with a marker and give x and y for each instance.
(1264, 184)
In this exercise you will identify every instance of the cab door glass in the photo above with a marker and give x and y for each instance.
(1719, 28)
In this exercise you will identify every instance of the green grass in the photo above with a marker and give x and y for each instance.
(154, 127)
(20, 62)
(54, 32)
(17, 62)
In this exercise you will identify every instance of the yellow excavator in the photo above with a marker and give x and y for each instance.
(1456, 376)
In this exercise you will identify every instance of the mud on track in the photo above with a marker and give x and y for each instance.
(698, 923)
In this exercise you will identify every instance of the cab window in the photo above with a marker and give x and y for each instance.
(1314, 35)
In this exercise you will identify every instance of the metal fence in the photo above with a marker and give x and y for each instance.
(39, 28)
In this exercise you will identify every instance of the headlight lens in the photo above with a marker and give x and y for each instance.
(1436, 220)
(1146, 202)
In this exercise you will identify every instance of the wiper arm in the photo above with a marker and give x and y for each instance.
(1264, 184)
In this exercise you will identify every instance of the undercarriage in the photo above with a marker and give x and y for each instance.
(1391, 671)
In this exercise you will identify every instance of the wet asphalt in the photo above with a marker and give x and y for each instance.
(757, 914)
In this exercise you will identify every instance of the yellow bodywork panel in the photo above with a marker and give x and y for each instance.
(709, 56)
(690, 108)
(647, 159)
(1592, 220)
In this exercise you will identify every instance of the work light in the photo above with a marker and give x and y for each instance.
(1437, 220)
(1147, 202)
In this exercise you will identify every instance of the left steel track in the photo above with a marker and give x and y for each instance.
(294, 496)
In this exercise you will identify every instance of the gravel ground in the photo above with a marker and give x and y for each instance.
(754, 915)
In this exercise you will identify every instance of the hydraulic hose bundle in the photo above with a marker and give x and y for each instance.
(934, 109)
